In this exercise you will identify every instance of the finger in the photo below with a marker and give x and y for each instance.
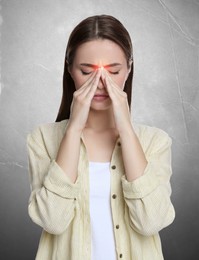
(107, 79)
(88, 82)
(103, 75)
(109, 87)
(93, 88)
(111, 79)
(115, 87)
(86, 86)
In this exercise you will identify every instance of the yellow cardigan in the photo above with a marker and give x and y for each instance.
(140, 209)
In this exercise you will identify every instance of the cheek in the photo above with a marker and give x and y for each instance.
(120, 81)
(79, 80)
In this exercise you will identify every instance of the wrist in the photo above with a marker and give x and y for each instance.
(72, 130)
(126, 131)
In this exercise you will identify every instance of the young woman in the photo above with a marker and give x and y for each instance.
(100, 182)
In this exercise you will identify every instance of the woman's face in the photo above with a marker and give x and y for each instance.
(99, 53)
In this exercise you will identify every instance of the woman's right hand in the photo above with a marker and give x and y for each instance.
(82, 100)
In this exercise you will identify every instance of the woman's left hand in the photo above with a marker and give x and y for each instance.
(119, 103)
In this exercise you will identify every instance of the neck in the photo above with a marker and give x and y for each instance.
(100, 121)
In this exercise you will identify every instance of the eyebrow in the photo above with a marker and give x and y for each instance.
(97, 66)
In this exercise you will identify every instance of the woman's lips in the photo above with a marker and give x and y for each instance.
(100, 97)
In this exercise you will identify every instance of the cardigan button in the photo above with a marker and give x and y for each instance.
(119, 144)
(114, 196)
(113, 167)
(121, 255)
(117, 226)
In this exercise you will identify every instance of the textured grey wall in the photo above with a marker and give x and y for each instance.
(165, 34)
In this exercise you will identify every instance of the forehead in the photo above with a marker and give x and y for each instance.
(100, 51)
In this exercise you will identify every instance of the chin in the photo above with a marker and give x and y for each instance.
(100, 107)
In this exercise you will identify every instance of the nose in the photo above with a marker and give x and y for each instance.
(100, 84)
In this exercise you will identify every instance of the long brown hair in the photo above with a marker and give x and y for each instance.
(92, 28)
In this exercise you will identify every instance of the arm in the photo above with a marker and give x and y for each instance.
(55, 184)
(148, 196)
(68, 154)
(146, 184)
(134, 159)
(53, 195)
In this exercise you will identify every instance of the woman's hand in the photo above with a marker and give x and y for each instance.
(119, 102)
(132, 153)
(82, 100)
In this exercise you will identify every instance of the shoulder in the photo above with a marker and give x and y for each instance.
(152, 137)
(146, 131)
(48, 132)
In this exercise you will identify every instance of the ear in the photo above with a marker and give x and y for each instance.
(130, 64)
(69, 69)
(129, 70)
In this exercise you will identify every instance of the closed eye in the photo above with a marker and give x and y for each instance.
(85, 73)
(114, 73)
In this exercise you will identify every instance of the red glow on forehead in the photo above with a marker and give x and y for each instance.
(100, 66)
(97, 67)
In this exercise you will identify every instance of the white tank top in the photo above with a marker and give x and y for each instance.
(103, 242)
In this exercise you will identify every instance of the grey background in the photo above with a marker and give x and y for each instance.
(165, 35)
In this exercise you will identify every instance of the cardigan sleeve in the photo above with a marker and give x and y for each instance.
(53, 196)
(148, 197)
